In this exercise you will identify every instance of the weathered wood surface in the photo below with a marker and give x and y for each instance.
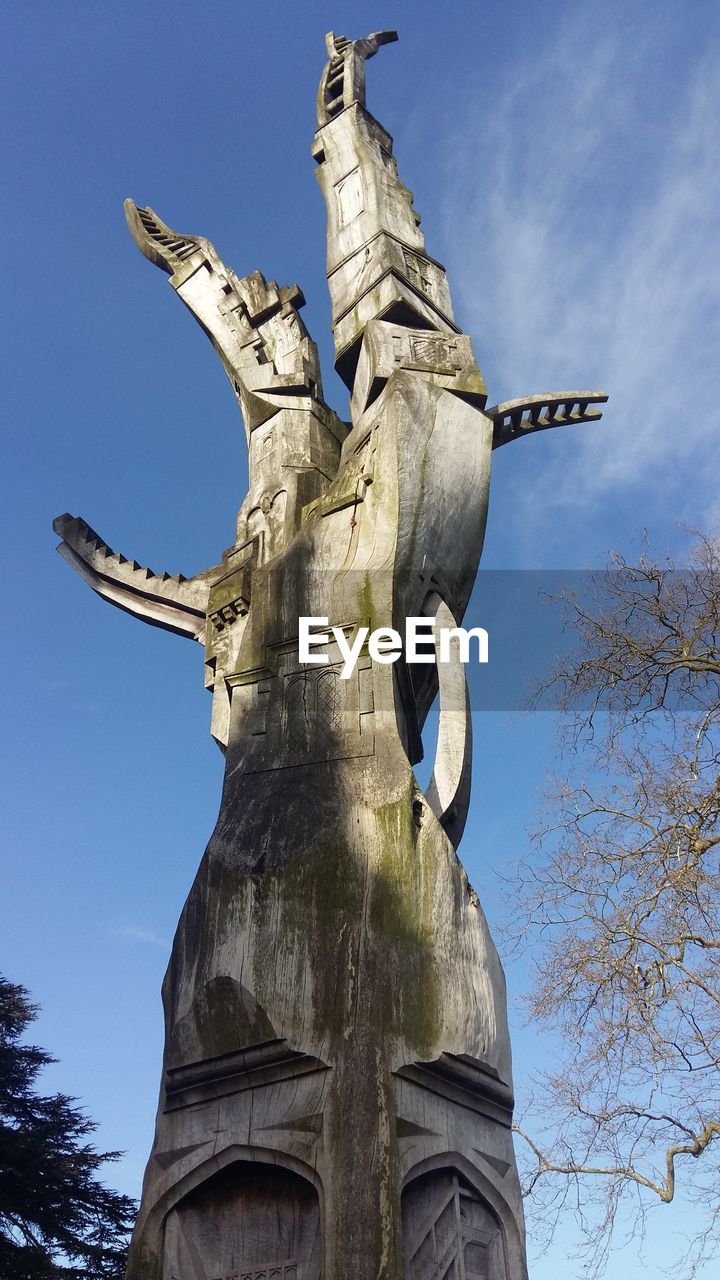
(336, 1093)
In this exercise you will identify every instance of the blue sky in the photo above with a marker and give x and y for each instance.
(566, 160)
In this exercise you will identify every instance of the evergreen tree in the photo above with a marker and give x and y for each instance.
(57, 1220)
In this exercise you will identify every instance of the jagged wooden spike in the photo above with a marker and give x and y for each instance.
(160, 600)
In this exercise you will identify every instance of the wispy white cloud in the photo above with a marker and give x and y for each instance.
(142, 935)
(586, 255)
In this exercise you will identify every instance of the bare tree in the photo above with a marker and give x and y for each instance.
(621, 898)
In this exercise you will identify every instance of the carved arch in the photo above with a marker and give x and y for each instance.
(263, 1164)
(249, 1219)
(483, 1243)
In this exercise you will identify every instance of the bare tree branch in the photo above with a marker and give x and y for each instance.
(619, 906)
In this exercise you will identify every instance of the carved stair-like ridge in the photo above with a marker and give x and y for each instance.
(258, 298)
(166, 600)
(157, 241)
(253, 323)
(343, 80)
(517, 418)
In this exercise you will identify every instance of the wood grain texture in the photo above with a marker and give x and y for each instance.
(336, 1091)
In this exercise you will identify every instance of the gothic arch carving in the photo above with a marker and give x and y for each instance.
(255, 1162)
(456, 1224)
(243, 1212)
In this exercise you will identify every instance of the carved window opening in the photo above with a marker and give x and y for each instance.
(350, 197)
(439, 352)
(297, 702)
(329, 709)
(314, 709)
(449, 1231)
(250, 1221)
(419, 271)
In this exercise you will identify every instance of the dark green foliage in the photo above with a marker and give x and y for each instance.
(57, 1220)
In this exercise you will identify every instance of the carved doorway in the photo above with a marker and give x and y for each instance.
(449, 1231)
(250, 1221)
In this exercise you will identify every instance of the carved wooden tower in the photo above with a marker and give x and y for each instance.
(336, 1092)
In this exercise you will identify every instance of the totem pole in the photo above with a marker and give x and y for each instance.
(336, 1093)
